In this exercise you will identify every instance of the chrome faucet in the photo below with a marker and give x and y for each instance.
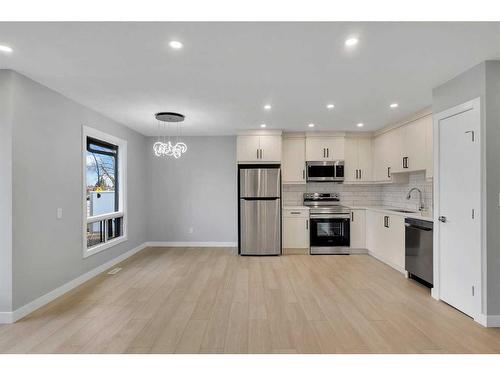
(408, 196)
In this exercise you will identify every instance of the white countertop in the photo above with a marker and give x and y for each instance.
(427, 216)
(295, 208)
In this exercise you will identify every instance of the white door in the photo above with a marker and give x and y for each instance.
(459, 194)
(270, 146)
(247, 147)
(351, 170)
(293, 166)
(365, 159)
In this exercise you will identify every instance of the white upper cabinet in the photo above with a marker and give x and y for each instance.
(412, 155)
(383, 156)
(358, 160)
(258, 148)
(324, 148)
(293, 166)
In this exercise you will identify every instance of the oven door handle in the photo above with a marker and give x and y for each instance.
(330, 216)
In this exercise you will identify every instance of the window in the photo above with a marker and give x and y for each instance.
(104, 191)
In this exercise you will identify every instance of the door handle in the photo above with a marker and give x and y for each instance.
(472, 134)
(442, 219)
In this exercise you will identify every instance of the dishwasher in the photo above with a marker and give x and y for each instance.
(418, 250)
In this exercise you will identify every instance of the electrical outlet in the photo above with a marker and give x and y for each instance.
(59, 213)
(190, 230)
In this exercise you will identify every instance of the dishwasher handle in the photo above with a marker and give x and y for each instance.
(417, 227)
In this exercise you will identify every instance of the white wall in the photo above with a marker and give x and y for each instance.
(5, 191)
(197, 191)
(47, 174)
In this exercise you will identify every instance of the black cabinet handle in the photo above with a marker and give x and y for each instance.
(352, 216)
(307, 224)
(257, 153)
(405, 162)
(327, 152)
(303, 174)
(386, 221)
(388, 172)
(360, 174)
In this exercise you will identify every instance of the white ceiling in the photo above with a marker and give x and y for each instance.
(226, 72)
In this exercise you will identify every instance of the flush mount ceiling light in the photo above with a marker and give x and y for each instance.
(311, 125)
(163, 146)
(394, 105)
(263, 125)
(351, 42)
(360, 125)
(4, 48)
(175, 44)
(267, 107)
(330, 106)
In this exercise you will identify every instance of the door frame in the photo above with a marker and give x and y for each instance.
(474, 104)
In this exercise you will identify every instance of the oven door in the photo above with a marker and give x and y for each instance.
(329, 232)
(320, 171)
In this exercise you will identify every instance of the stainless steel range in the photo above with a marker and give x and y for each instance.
(329, 223)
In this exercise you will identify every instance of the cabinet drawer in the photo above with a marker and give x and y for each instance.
(289, 212)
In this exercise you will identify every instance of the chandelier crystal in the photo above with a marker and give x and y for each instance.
(164, 147)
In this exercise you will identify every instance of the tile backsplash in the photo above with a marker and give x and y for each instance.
(367, 195)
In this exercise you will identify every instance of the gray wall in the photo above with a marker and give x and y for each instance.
(193, 191)
(483, 81)
(492, 117)
(47, 173)
(5, 191)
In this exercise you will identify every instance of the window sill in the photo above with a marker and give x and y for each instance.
(97, 249)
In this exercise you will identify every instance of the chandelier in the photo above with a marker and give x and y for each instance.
(164, 145)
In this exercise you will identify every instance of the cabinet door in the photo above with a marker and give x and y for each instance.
(365, 159)
(335, 148)
(395, 242)
(414, 144)
(382, 157)
(316, 149)
(358, 229)
(351, 160)
(395, 151)
(270, 146)
(247, 148)
(429, 147)
(295, 232)
(294, 160)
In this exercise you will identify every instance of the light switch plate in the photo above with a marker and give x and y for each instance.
(59, 213)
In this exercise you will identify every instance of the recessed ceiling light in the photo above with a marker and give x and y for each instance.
(330, 106)
(350, 42)
(311, 125)
(360, 125)
(263, 125)
(175, 44)
(4, 48)
(394, 105)
(267, 107)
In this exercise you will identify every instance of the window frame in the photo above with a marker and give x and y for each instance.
(121, 184)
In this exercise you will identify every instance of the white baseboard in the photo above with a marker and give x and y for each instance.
(11, 317)
(358, 251)
(389, 263)
(191, 244)
(488, 320)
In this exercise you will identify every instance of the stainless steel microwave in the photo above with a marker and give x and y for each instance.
(325, 171)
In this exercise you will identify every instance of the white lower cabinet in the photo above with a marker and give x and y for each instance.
(385, 238)
(358, 229)
(295, 228)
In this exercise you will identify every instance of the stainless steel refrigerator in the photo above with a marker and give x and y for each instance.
(259, 210)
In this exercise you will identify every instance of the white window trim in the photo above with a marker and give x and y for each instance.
(122, 183)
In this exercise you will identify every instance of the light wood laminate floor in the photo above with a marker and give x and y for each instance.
(202, 300)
